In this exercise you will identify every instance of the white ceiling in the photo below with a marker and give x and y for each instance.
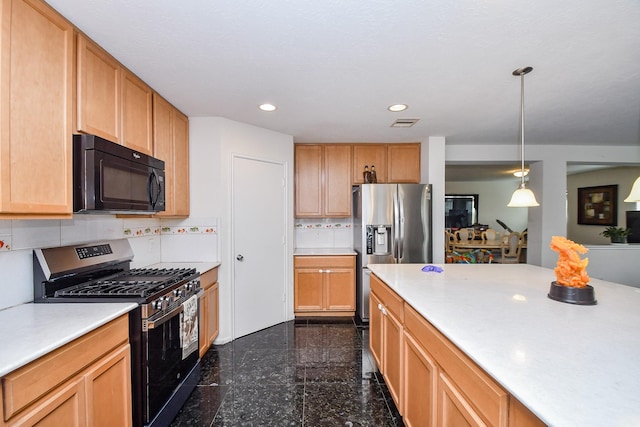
(333, 66)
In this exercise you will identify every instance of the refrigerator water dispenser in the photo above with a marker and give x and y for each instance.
(378, 239)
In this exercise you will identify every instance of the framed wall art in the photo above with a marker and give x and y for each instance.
(598, 205)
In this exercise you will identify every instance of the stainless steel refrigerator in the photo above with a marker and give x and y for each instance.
(392, 225)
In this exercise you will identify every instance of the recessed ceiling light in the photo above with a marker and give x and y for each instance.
(267, 107)
(397, 107)
(519, 174)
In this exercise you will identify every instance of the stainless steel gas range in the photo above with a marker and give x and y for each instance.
(163, 329)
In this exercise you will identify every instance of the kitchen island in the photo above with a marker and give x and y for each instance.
(569, 365)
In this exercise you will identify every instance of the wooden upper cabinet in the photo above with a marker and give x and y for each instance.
(36, 77)
(308, 180)
(368, 155)
(98, 91)
(403, 163)
(136, 113)
(171, 144)
(323, 180)
(395, 163)
(181, 164)
(337, 180)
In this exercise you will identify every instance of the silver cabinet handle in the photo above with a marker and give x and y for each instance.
(240, 257)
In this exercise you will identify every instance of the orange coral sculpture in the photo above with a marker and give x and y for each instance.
(571, 269)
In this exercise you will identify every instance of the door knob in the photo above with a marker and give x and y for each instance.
(239, 257)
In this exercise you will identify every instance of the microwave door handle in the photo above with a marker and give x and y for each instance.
(154, 179)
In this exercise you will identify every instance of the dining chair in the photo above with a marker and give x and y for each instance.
(490, 235)
(510, 249)
(463, 235)
(449, 240)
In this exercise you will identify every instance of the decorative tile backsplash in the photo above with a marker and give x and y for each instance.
(179, 229)
(152, 240)
(323, 233)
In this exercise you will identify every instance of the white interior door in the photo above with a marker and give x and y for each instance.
(259, 221)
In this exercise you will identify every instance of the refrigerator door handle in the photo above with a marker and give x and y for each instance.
(400, 222)
(396, 227)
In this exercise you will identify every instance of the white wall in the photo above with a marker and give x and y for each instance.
(213, 142)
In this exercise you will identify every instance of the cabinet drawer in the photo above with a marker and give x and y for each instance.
(324, 261)
(487, 397)
(208, 278)
(28, 383)
(388, 298)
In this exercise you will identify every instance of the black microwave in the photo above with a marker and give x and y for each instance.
(111, 178)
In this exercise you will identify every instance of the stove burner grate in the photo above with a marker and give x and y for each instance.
(142, 282)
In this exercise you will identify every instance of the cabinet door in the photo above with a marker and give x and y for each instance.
(180, 175)
(420, 386)
(392, 356)
(337, 180)
(308, 180)
(63, 407)
(308, 289)
(453, 407)
(212, 313)
(375, 330)
(171, 144)
(203, 322)
(136, 114)
(99, 91)
(108, 388)
(163, 147)
(403, 163)
(368, 155)
(340, 289)
(35, 110)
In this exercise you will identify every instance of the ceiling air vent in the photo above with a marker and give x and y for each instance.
(404, 123)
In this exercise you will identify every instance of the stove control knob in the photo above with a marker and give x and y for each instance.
(157, 304)
(189, 286)
(177, 292)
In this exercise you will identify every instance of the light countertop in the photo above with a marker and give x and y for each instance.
(200, 267)
(323, 251)
(29, 331)
(570, 365)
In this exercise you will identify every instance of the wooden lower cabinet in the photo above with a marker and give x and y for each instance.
(420, 387)
(441, 386)
(386, 308)
(84, 383)
(324, 285)
(209, 325)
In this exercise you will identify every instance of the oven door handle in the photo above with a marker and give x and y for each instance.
(151, 324)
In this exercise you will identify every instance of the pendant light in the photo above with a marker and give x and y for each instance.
(634, 195)
(522, 197)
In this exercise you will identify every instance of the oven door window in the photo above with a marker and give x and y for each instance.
(166, 368)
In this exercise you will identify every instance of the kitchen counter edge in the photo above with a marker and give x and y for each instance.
(323, 251)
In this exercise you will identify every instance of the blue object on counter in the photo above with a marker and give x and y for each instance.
(430, 267)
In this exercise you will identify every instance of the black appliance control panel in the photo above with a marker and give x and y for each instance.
(93, 251)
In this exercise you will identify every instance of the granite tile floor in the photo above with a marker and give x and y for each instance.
(315, 372)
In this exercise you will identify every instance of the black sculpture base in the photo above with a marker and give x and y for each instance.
(579, 296)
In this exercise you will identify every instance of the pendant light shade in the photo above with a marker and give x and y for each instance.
(634, 195)
(522, 197)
